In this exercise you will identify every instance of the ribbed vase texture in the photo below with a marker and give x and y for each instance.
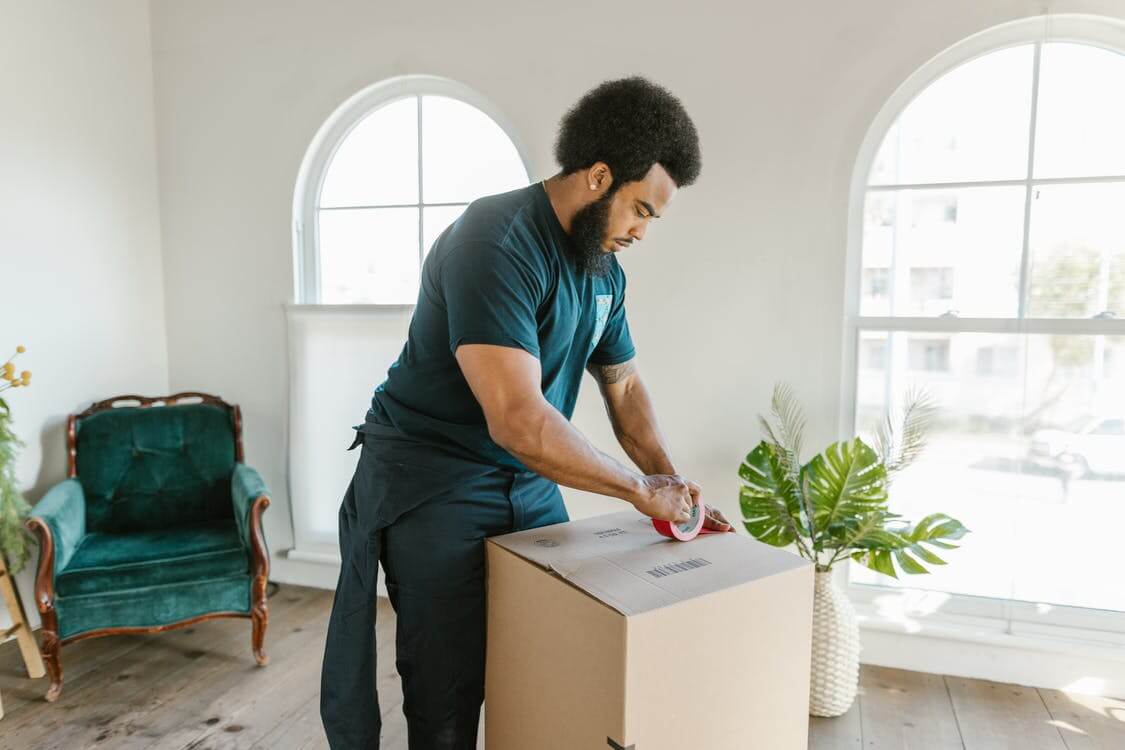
(835, 650)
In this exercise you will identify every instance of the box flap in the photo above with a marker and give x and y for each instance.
(621, 560)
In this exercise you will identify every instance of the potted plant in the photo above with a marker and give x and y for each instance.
(835, 508)
(15, 544)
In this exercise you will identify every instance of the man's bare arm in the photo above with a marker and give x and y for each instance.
(631, 412)
(633, 416)
(506, 383)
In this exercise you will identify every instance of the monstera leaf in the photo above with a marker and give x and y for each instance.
(877, 549)
(935, 529)
(771, 505)
(846, 481)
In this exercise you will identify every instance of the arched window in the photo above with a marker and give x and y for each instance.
(987, 264)
(388, 172)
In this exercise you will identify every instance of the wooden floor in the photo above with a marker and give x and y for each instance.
(198, 688)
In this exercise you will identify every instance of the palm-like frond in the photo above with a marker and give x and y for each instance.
(787, 433)
(898, 451)
(787, 430)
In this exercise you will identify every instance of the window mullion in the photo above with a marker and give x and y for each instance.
(388, 205)
(421, 199)
(1025, 258)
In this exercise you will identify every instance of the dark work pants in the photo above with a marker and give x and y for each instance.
(423, 514)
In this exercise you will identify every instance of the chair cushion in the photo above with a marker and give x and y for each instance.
(156, 466)
(107, 562)
(152, 607)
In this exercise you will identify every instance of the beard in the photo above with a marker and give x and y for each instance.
(587, 232)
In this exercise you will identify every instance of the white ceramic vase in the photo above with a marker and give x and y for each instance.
(835, 650)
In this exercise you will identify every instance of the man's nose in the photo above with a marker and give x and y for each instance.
(638, 232)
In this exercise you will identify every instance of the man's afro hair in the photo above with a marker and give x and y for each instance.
(630, 124)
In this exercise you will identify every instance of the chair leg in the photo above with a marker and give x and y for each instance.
(260, 618)
(53, 662)
(259, 612)
(45, 601)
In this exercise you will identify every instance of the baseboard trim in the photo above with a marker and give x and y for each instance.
(312, 570)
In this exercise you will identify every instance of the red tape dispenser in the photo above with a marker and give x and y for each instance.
(688, 530)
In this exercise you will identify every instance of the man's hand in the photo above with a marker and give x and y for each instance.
(666, 497)
(714, 518)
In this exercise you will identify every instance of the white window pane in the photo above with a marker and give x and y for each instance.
(1027, 448)
(377, 162)
(926, 252)
(971, 124)
(465, 154)
(1081, 112)
(1077, 250)
(928, 354)
(966, 469)
(873, 350)
(369, 256)
(1075, 394)
(434, 221)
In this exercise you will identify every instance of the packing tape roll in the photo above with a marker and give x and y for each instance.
(688, 530)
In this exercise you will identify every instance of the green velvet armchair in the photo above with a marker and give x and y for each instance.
(158, 526)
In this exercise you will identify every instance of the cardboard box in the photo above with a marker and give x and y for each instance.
(604, 634)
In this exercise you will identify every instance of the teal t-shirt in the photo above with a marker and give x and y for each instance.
(501, 274)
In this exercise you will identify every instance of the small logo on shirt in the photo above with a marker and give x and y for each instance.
(603, 302)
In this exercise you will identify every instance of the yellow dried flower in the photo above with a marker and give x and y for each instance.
(9, 368)
(21, 349)
(25, 376)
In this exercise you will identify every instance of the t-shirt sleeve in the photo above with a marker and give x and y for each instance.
(491, 293)
(616, 345)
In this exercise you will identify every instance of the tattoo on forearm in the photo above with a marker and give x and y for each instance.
(610, 374)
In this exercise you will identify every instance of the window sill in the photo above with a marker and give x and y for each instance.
(984, 648)
(317, 308)
(992, 632)
(317, 554)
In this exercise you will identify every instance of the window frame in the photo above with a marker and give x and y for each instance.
(318, 158)
(1002, 615)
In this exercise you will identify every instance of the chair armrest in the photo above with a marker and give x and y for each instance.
(60, 520)
(246, 487)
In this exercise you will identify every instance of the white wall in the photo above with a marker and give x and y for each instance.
(80, 267)
(741, 285)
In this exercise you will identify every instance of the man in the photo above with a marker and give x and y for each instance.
(469, 435)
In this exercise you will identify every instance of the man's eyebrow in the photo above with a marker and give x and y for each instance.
(649, 208)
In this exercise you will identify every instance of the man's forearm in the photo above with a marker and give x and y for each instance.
(634, 424)
(548, 444)
(633, 416)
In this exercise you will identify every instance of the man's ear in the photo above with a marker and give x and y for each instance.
(599, 177)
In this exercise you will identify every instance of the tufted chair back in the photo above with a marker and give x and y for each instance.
(155, 466)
